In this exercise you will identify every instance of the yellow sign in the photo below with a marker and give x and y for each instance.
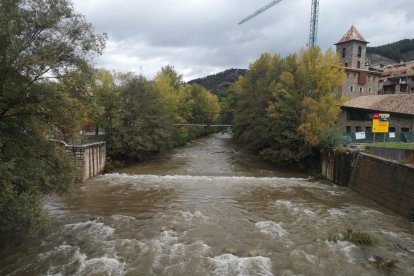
(380, 123)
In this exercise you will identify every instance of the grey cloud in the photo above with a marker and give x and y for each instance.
(200, 37)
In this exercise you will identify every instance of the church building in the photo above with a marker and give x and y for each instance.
(361, 88)
(360, 81)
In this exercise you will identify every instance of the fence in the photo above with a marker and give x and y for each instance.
(403, 137)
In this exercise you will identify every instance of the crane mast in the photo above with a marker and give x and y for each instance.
(313, 33)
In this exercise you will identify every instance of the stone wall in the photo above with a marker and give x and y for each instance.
(351, 88)
(351, 53)
(385, 181)
(90, 159)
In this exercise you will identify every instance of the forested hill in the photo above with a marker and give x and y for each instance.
(402, 50)
(219, 83)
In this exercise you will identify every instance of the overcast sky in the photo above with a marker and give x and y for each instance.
(201, 37)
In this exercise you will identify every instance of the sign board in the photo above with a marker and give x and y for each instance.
(359, 135)
(380, 123)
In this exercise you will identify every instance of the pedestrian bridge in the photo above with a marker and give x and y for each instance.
(203, 125)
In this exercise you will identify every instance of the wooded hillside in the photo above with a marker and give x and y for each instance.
(219, 83)
(402, 50)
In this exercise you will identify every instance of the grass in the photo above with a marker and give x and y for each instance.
(355, 236)
(392, 145)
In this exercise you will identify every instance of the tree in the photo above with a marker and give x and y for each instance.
(142, 124)
(44, 47)
(168, 83)
(102, 99)
(204, 106)
(284, 105)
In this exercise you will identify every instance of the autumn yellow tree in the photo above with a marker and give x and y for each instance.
(284, 105)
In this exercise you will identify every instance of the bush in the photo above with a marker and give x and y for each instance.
(329, 139)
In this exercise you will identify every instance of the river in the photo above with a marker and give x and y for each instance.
(209, 209)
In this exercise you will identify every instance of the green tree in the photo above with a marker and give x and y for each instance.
(141, 124)
(168, 83)
(204, 106)
(101, 99)
(285, 104)
(43, 43)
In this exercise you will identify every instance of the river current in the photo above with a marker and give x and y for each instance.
(208, 209)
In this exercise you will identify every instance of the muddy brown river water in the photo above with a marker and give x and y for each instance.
(207, 209)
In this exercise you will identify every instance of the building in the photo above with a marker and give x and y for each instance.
(363, 87)
(397, 79)
(357, 113)
(360, 80)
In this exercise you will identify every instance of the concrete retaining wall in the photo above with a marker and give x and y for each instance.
(91, 159)
(385, 181)
(403, 155)
(337, 166)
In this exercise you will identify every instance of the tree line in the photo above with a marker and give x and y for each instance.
(49, 87)
(139, 116)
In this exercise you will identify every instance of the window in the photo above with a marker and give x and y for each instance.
(358, 115)
(358, 64)
(348, 129)
(346, 64)
(358, 129)
(359, 51)
(405, 129)
(361, 90)
(369, 90)
(343, 52)
(368, 129)
(352, 89)
(391, 129)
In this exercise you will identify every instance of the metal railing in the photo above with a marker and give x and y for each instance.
(403, 137)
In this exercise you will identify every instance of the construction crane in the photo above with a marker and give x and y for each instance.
(313, 33)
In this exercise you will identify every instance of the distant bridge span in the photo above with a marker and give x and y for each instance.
(203, 125)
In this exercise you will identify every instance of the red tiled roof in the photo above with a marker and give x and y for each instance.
(352, 34)
(401, 103)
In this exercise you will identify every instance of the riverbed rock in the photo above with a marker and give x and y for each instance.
(198, 214)
(253, 253)
(97, 219)
(382, 263)
(229, 250)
